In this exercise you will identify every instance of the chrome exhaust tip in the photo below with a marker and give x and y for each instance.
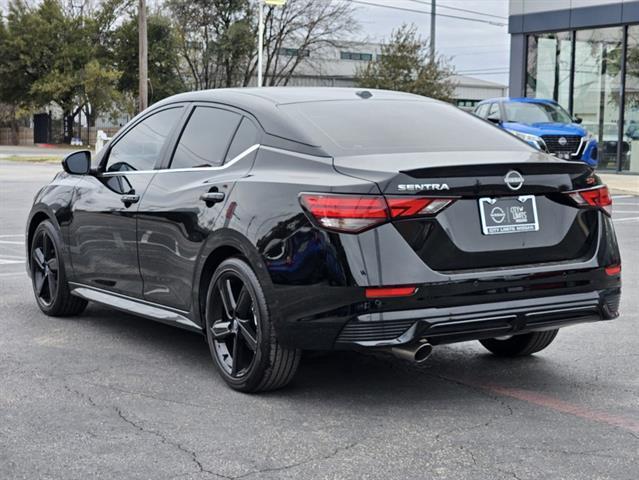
(416, 353)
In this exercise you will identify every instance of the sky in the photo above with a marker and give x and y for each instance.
(476, 49)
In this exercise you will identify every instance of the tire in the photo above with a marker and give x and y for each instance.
(520, 345)
(240, 336)
(48, 276)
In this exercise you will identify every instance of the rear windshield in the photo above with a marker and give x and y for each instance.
(351, 127)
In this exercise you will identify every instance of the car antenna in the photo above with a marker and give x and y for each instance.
(364, 94)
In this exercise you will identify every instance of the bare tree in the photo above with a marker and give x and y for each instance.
(306, 26)
(217, 38)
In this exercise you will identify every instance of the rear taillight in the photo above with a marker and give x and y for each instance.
(355, 213)
(593, 197)
(411, 207)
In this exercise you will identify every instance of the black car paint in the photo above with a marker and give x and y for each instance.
(161, 251)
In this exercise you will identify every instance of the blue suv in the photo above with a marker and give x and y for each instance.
(542, 123)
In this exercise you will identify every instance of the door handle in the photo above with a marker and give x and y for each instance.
(129, 199)
(211, 198)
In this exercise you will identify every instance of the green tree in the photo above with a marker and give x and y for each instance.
(163, 61)
(404, 65)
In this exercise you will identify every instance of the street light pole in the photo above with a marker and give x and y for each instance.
(143, 57)
(432, 31)
(260, 44)
(260, 34)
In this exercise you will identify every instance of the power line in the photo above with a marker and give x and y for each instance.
(412, 10)
(460, 9)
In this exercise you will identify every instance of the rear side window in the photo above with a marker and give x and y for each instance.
(205, 138)
(358, 127)
(245, 137)
(140, 147)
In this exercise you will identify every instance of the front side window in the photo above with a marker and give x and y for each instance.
(493, 111)
(530, 113)
(140, 147)
(205, 138)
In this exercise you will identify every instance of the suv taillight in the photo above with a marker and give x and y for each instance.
(356, 213)
(593, 197)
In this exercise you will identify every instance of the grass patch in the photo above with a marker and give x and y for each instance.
(32, 159)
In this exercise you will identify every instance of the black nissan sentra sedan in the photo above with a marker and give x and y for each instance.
(278, 220)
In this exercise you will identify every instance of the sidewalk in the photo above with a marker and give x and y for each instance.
(625, 184)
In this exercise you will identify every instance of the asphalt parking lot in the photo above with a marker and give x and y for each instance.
(109, 395)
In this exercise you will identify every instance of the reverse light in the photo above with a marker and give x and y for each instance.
(386, 292)
(355, 213)
(410, 207)
(593, 197)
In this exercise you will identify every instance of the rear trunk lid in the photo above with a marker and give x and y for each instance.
(480, 229)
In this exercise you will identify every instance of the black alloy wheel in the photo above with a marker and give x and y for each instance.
(44, 268)
(240, 334)
(48, 277)
(235, 332)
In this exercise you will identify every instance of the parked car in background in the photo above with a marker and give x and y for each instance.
(544, 124)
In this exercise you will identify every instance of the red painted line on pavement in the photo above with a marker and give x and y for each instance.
(557, 405)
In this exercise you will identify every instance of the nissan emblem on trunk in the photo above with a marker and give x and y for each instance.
(514, 180)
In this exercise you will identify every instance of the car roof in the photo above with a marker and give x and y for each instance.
(262, 104)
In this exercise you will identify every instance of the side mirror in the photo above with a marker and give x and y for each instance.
(77, 163)
(578, 119)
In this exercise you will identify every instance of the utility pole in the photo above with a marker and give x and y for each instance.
(432, 31)
(143, 57)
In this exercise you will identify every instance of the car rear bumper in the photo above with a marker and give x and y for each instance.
(323, 318)
(457, 324)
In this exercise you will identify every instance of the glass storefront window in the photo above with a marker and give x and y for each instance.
(548, 69)
(630, 161)
(597, 87)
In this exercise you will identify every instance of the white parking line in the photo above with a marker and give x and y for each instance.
(7, 242)
(10, 262)
(622, 196)
(13, 235)
(626, 219)
(13, 274)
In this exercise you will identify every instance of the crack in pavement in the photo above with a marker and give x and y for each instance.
(192, 453)
(334, 453)
(163, 438)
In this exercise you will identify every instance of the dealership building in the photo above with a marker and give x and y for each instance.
(585, 55)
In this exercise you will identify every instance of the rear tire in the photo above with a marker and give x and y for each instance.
(48, 276)
(240, 334)
(520, 345)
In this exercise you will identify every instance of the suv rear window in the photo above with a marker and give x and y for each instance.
(352, 127)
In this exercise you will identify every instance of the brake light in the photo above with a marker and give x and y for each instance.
(355, 213)
(593, 197)
(347, 213)
(386, 292)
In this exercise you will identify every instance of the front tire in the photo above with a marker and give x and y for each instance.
(48, 275)
(520, 345)
(240, 334)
